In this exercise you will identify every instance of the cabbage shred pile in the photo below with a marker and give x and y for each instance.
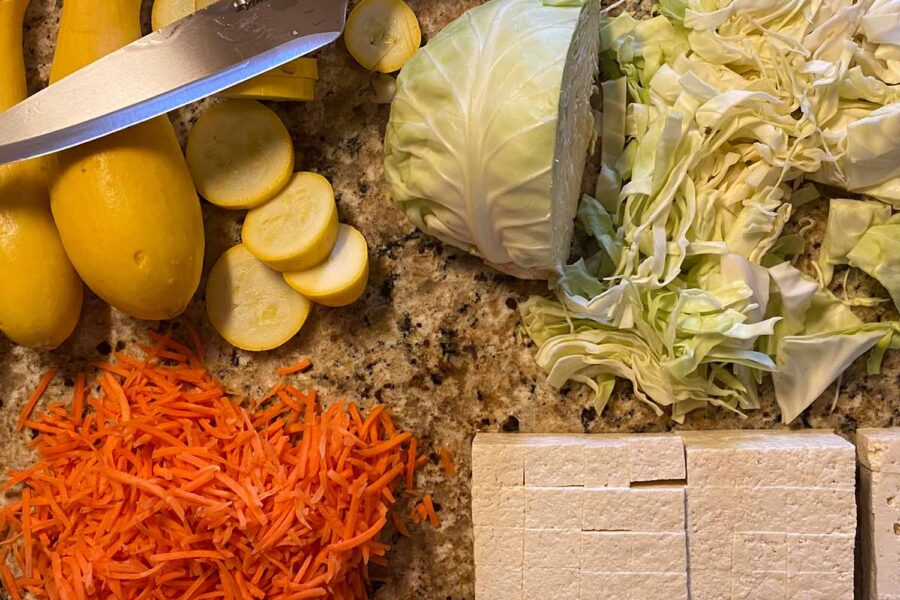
(719, 117)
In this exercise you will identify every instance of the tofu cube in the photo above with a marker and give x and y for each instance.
(498, 507)
(552, 548)
(605, 586)
(641, 509)
(560, 584)
(820, 553)
(659, 553)
(497, 464)
(758, 552)
(499, 547)
(493, 583)
(710, 584)
(656, 458)
(555, 462)
(606, 551)
(756, 586)
(820, 586)
(878, 451)
(553, 508)
(607, 463)
(815, 510)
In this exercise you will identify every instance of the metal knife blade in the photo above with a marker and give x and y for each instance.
(227, 43)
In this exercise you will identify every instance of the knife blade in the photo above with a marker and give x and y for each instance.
(227, 43)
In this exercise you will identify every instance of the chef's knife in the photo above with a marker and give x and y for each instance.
(227, 43)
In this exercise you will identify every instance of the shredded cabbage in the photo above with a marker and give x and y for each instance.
(717, 115)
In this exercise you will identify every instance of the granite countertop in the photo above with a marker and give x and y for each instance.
(436, 337)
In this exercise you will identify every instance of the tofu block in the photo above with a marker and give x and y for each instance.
(499, 547)
(492, 583)
(555, 462)
(553, 508)
(541, 584)
(552, 548)
(878, 451)
(656, 458)
(765, 509)
(498, 507)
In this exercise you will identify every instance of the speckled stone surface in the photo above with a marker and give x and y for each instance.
(436, 337)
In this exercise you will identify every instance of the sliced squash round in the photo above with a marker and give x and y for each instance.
(382, 34)
(166, 12)
(342, 278)
(296, 229)
(250, 305)
(240, 154)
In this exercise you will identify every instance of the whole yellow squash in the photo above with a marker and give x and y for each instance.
(125, 205)
(41, 293)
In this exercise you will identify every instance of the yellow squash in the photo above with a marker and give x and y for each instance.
(125, 205)
(41, 298)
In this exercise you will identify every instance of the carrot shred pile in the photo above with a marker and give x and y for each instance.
(160, 486)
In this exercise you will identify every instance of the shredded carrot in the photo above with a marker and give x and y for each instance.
(160, 485)
(35, 398)
(297, 367)
(429, 511)
(447, 462)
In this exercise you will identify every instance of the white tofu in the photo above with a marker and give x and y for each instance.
(499, 547)
(759, 586)
(820, 553)
(820, 586)
(497, 461)
(553, 508)
(878, 451)
(555, 462)
(710, 584)
(659, 553)
(552, 548)
(671, 586)
(498, 507)
(656, 458)
(759, 458)
(607, 462)
(765, 508)
(493, 583)
(713, 508)
(759, 552)
(605, 586)
(652, 509)
(710, 551)
(813, 510)
(606, 552)
(543, 584)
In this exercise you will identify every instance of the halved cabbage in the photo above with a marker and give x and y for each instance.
(490, 127)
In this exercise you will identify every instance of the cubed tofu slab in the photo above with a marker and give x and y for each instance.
(878, 451)
(706, 516)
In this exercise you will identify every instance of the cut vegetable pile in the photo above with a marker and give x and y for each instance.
(293, 249)
(716, 119)
(162, 486)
